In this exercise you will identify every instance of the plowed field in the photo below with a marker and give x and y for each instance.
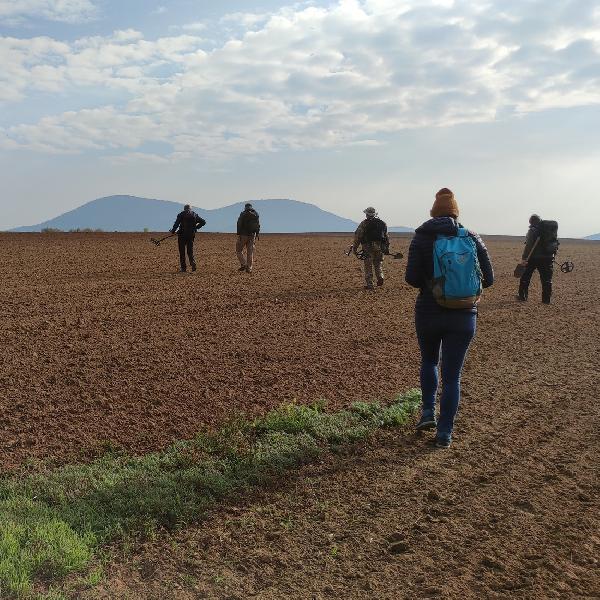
(105, 343)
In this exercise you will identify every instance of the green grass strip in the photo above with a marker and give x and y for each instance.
(52, 522)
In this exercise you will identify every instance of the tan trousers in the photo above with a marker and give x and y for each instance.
(373, 262)
(247, 242)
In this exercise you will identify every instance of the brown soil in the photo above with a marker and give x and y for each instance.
(107, 342)
(103, 342)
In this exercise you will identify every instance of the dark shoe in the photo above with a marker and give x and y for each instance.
(369, 287)
(443, 440)
(545, 301)
(380, 281)
(242, 269)
(521, 298)
(248, 270)
(183, 271)
(193, 266)
(427, 422)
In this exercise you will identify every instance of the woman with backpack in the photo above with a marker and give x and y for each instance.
(450, 266)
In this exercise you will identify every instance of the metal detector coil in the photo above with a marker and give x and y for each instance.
(567, 267)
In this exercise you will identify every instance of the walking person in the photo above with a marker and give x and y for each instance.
(248, 229)
(541, 246)
(371, 234)
(439, 327)
(186, 225)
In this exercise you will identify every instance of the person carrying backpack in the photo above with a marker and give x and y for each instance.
(449, 265)
(541, 246)
(186, 225)
(372, 235)
(248, 229)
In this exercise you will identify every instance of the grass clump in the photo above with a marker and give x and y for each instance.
(51, 523)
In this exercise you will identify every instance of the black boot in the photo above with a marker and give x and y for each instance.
(546, 292)
(523, 293)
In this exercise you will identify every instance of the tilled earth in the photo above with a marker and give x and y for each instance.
(105, 344)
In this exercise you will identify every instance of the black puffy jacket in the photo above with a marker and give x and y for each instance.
(419, 269)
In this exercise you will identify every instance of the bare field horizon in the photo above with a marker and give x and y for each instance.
(398, 235)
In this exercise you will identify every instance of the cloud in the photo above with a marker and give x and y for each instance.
(308, 77)
(196, 26)
(244, 20)
(138, 158)
(67, 11)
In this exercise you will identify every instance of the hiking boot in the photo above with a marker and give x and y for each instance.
(242, 269)
(426, 422)
(380, 281)
(369, 287)
(521, 298)
(443, 440)
(183, 270)
(248, 270)
(193, 266)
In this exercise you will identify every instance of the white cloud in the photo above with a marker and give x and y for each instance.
(312, 77)
(68, 11)
(138, 158)
(196, 26)
(245, 20)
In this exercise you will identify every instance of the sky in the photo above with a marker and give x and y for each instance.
(341, 103)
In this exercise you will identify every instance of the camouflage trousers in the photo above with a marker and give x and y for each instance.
(373, 261)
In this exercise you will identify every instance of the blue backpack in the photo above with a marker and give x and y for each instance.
(456, 271)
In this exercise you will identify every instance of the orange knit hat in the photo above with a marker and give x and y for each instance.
(445, 204)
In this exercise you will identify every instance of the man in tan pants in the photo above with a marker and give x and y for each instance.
(371, 234)
(248, 228)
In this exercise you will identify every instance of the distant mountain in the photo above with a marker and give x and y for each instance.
(129, 213)
(593, 237)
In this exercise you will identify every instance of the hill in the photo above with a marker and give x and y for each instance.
(130, 213)
(596, 236)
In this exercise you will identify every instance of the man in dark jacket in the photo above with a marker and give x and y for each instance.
(248, 228)
(371, 234)
(537, 255)
(186, 225)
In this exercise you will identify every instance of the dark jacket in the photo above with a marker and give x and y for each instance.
(248, 222)
(419, 269)
(539, 252)
(187, 223)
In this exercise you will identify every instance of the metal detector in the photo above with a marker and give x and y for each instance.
(567, 267)
(157, 242)
(360, 254)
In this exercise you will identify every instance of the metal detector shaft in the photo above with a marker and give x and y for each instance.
(157, 242)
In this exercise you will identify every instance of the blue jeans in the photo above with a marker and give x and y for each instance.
(452, 332)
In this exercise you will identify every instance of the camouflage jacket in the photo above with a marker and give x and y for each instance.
(370, 230)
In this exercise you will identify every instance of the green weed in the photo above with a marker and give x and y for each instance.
(53, 522)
